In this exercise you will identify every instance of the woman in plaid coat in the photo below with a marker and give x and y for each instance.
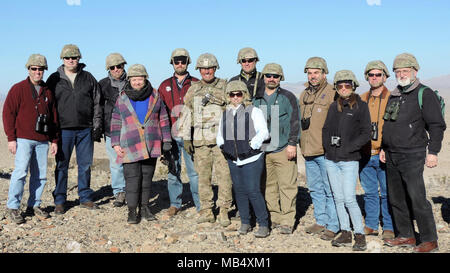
(140, 126)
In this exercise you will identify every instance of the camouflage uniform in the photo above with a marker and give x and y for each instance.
(204, 119)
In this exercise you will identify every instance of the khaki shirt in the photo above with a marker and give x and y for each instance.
(315, 106)
(376, 115)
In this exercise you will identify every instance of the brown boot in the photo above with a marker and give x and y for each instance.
(223, 218)
(206, 215)
(427, 247)
(327, 235)
(344, 239)
(360, 242)
(314, 229)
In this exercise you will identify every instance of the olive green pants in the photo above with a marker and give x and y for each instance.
(281, 188)
(205, 157)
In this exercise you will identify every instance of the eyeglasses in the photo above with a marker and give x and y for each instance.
(238, 94)
(275, 76)
(37, 68)
(248, 60)
(71, 58)
(344, 85)
(376, 75)
(119, 66)
(180, 62)
(403, 71)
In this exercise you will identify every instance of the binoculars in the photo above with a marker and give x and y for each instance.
(392, 111)
(42, 124)
(374, 130)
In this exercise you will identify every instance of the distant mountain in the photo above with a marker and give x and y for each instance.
(441, 83)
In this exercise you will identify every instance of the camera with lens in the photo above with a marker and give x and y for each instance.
(336, 141)
(374, 130)
(206, 99)
(392, 111)
(305, 123)
(42, 124)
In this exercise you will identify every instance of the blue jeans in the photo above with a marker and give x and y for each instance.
(373, 176)
(33, 154)
(343, 176)
(247, 190)
(320, 192)
(82, 141)
(117, 178)
(174, 183)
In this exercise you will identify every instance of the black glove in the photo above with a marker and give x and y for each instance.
(97, 134)
(188, 147)
(167, 146)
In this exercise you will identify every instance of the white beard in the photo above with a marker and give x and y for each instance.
(404, 82)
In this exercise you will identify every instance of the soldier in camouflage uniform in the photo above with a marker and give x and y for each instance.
(205, 101)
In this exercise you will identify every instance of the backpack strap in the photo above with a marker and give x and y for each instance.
(420, 95)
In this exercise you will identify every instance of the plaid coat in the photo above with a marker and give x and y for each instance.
(140, 141)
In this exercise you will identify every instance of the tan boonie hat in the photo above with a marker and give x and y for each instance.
(137, 70)
(70, 50)
(273, 68)
(376, 65)
(114, 59)
(406, 60)
(317, 63)
(36, 60)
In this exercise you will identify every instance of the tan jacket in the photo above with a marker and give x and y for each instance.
(376, 115)
(316, 108)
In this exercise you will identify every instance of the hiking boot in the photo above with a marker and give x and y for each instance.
(327, 235)
(223, 218)
(369, 231)
(147, 214)
(206, 216)
(14, 215)
(89, 205)
(133, 216)
(314, 229)
(38, 212)
(59, 209)
(244, 229)
(285, 229)
(120, 199)
(262, 232)
(344, 239)
(360, 242)
(172, 211)
(388, 234)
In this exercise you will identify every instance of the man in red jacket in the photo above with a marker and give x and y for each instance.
(172, 91)
(30, 122)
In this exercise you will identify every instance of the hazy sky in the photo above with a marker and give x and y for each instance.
(348, 34)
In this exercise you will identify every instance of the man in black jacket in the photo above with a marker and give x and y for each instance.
(110, 87)
(77, 95)
(404, 145)
(248, 58)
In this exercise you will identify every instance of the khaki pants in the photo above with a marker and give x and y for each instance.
(281, 188)
(205, 157)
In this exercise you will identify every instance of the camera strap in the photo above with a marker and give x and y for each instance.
(379, 107)
(36, 97)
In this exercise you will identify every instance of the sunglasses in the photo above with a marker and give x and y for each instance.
(37, 68)
(180, 62)
(244, 61)
(120, 66)
(238, 94)
(275, 76)
(344, 85)
(376, 75)
(71, 58)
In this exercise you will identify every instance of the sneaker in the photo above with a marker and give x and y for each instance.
(344, 239)
(327, 235)
(39, 213)
(262, 232)
(147, 214)
(120, 199)
(360, 242)
(89, 205)
(314, 229)
(206, 216)
(59, 209)
(223, 218)
(172, 211)
(133, 216)
(244, 229)
(15, 216)
(285, 229)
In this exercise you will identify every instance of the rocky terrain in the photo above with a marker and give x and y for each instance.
(105, 230)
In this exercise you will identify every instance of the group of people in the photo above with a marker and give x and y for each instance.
(246, 130)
